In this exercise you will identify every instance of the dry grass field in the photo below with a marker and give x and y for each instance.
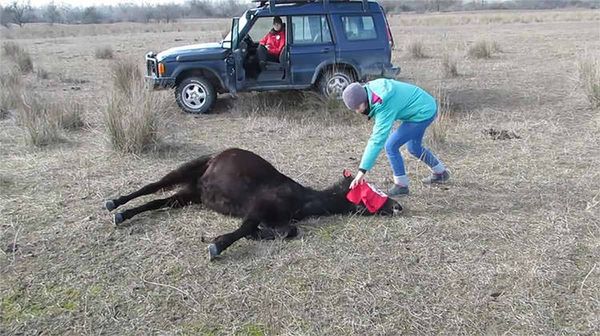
(510, 246)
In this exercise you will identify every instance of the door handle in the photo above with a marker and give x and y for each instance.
(325, 50)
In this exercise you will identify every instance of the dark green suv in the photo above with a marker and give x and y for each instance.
(328, 45)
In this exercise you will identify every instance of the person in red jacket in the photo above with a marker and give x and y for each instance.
(271, 45)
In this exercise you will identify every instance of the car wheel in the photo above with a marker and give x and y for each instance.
(195, 95)
(334, 81)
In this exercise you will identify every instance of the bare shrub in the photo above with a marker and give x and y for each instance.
(134, 115)
(11, 49)
(105, 52)
(438, 131)
(305, 107)
(18, 55)
(40, 120)
(10, 92)
(42, 73)
(71, 116)
(496, 47)
(45, 120)
(449, 65)
(589, 79)
(126, 75)
(482, 49)
(416, 49)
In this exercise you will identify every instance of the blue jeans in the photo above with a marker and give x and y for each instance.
(410, 133)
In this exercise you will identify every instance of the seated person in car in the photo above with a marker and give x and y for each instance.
(270, 46)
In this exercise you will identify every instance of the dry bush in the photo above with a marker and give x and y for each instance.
(18, 55)
(11, 49)
(46, 120)
(589, 79)
(134, 115)
(71, 116)
(305, 107)
(126, 75)
(105, 52)
(438, 131)
(416, 50)
(449, 65)
(482, 49)
(496, 47)
(40, 120)
(42, 73)
(10, 92)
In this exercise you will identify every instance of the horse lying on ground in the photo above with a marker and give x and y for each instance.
(242, 184)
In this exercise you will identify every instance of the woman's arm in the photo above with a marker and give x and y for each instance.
(381, 130)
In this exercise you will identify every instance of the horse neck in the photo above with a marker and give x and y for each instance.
(330, 201)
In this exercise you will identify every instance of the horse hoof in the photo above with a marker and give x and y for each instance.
(118, 218)
(110, 205)
(212, 252)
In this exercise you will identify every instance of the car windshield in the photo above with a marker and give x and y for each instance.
(244, 19)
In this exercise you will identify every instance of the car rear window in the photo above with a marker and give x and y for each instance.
(359, 27)
(312, 29)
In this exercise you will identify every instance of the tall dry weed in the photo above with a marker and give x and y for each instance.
(449, 65)
(20, 56)
(416, 49)
(11, 88)
(40, 120)
(589, 79)
(105, 52)
(126, 75)
(45, 120)
(482, 49)
(304, 107)
(439, 129)
(134, 115)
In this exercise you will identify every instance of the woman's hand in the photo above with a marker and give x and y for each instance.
(357, 180)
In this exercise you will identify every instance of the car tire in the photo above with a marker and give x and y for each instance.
(334, 81)
(195, 95)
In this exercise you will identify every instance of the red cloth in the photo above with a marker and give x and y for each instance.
(274, 41)
(371, 197)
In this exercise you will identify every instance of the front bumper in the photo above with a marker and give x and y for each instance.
(159, 83)
(152, 77)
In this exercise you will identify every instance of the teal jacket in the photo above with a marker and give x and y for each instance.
(399, 101)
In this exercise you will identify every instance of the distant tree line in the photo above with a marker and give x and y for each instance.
(396, 6)
(20, 12)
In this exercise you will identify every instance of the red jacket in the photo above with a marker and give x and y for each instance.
(274, 41)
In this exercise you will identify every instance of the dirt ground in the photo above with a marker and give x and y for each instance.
(510, 246)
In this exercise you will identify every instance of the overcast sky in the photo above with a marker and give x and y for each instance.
(86, 3)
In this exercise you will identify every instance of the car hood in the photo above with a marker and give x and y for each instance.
(194, 52)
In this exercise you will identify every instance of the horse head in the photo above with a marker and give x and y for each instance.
(389, 208)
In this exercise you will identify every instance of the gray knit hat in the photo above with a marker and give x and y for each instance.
(354, 95)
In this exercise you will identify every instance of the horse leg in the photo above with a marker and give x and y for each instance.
(219, 244)
(179, 200)
(170, 180)
(269, 233)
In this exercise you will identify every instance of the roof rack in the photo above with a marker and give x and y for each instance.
(272, 3)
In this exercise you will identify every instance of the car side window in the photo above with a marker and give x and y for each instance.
(311, 29)
(359, 28)
(260, 28)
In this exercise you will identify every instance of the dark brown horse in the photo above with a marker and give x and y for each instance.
(240, 183)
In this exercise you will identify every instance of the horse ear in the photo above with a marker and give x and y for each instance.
(347, 173)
